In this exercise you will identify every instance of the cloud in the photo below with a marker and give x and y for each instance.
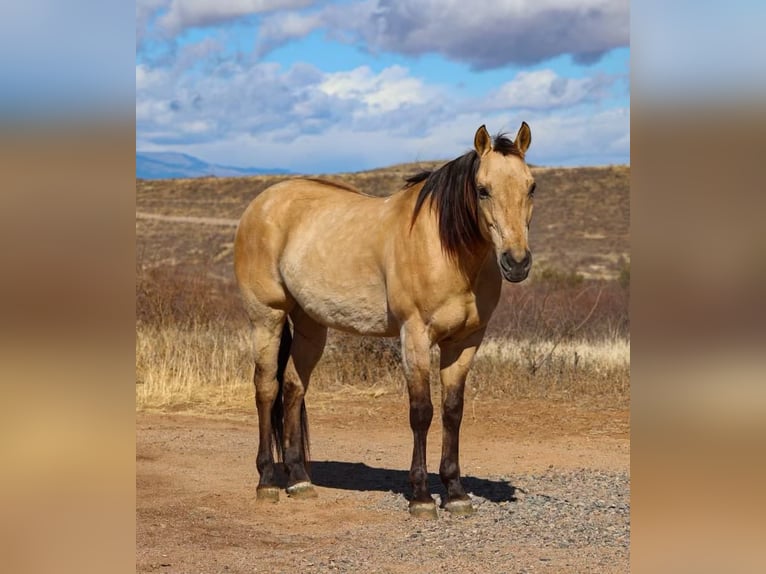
(230, 98)
(184, 14)
(580, 138)
(146, 10)
(239, 110)
(148, 78)
(390, 89)
(341, 23)
(544, 89)
(558, 139)
(484, 35)
(307, 120)
(281, 28)
(493, 34)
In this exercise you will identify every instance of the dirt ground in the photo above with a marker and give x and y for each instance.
(550, 482)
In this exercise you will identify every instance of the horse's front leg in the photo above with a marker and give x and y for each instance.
(416, 346)
(455, 361)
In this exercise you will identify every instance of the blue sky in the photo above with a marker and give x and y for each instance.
(320, 87)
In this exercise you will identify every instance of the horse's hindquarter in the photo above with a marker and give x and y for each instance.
(331, 261)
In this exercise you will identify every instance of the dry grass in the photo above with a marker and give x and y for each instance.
(581, 222)
(208, 367)
(560, 337)
(563, 334)
(193, 367)
(576, 369)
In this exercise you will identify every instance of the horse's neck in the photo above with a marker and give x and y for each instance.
(472, 265)
(468, 266)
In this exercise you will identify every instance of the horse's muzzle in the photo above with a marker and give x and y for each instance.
(515, 271)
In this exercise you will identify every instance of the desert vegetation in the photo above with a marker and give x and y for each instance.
(562, 335)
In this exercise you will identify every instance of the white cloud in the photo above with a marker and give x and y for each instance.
(184, 14)
(245, 112)
(145, 11)
(557, 139)
(196, 127)
(254, 97)
(483, 34)
(580, 138)
(544, 89)
(280, 28)
(392, 88)
(149, 78)
(493, 34)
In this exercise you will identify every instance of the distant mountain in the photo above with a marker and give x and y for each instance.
(170, 165)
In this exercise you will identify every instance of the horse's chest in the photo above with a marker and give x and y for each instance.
(459, 317)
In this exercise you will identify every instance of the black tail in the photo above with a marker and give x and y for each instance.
(278, 410)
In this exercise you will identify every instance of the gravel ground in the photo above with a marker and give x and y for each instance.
(557, 504)
(582, 510)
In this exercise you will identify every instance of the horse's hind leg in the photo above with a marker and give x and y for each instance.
(309, 339)
(268, 325)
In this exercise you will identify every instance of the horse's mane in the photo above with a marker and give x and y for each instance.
(453, 194)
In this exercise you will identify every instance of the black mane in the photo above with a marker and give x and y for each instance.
(452, 192)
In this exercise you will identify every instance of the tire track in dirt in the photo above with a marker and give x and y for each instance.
(550, 483)
(188, 219)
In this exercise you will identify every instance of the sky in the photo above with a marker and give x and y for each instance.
(347, 85)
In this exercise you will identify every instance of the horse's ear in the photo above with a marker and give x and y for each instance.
(482, 141)
(524, 137)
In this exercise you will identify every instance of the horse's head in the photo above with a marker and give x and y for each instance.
(505, 188)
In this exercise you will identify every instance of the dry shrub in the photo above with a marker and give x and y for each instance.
(558, 337)
(563, 306)
(360, 361)
(185, 296)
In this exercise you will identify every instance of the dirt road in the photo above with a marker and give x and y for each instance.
(550, 483)
(188, 219)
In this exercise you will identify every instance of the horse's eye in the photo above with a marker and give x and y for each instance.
(483, 192)
(532, 190)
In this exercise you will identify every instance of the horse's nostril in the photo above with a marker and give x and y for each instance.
(509, 262)
(527, 259)
(506, 260)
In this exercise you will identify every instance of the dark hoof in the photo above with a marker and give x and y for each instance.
(425, 510)
(460, 507)
(301, 490)
(267, 494)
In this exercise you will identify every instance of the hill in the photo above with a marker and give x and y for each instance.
(581, 222)
(167, 165)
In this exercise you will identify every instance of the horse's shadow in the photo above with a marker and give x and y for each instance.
(359, 476)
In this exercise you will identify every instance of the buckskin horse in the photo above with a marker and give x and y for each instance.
(425, 264)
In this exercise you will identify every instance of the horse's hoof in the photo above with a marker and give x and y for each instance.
(425, 510)
(460, 507)
(301, 490)
(267, 494)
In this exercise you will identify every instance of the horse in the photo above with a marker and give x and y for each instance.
(425, 264)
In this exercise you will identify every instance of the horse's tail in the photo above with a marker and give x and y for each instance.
(278, 409)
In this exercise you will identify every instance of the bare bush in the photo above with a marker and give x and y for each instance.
(185, 296)
(563, 305)
(559, 336)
